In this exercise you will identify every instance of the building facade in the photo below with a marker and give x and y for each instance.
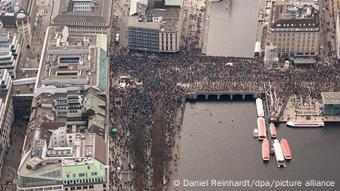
(10, 46)
(6, 112)
(330, 103)
(153, 29)
(295, 29)
(24, 27)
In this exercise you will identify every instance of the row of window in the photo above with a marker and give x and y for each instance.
(292, 50)
(80, 188)
(83, 181)
(302, 45)
(293, 34)
(299, 54)
(81, 23)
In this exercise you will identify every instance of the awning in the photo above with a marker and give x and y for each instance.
(304, 61)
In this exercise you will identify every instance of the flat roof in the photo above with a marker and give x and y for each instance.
(99, 16)
(80, 60)
(168, 19)
(330, 97)
(173, 2)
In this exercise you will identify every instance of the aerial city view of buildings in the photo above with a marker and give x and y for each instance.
(104, 95)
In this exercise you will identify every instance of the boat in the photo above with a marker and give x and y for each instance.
(280, 160)
(261, 127)
(272, 130)
(259, 107)
(265, 150)
(255, 133)
(286, 149)
(305, 123)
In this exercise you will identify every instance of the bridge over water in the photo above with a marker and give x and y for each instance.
(223, 95)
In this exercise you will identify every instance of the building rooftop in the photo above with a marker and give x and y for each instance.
(74, 60)
(165, 20)
(295, 17)
(77, 160)
(64, 12)
(330, 97)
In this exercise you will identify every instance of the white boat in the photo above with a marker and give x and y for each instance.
(259, 107)
(305, 123)
(280, 160)
(255, 133)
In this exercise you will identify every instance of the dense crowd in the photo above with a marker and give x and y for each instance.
(168, 77)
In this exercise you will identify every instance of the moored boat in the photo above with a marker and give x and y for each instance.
(272, 130)
(286, 149)
(259, 107)
(305, 123)
(280, 161)
(261, 126)
(265, 150)
(255, 133)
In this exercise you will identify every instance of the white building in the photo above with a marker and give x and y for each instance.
(6, 112)
(10, 46)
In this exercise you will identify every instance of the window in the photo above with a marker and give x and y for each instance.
(93, 173)
(81, 174)
(91, 186)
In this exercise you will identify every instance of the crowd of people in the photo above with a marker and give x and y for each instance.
(168, 78)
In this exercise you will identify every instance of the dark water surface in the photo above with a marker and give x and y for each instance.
(213, 146)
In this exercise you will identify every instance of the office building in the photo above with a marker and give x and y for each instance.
(153, 29)
(83, 16)
(294, 28)
(6, 113)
